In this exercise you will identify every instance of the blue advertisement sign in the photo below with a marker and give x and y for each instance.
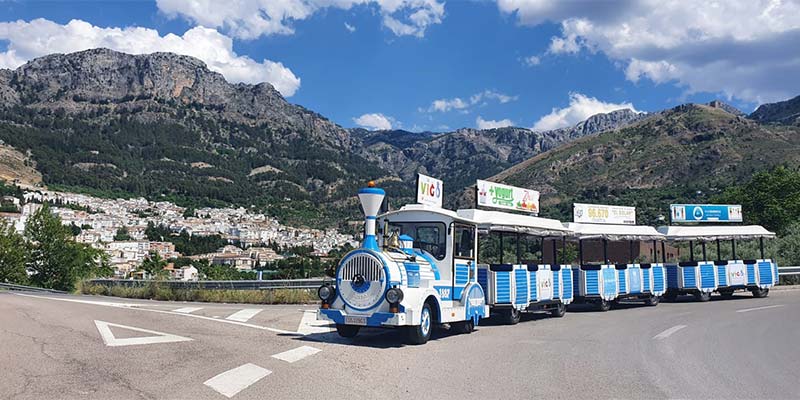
(705, 213)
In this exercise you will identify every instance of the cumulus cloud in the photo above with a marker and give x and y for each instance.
(580, 108)
(28, 40)
(532, 61)
(492, 124)
(743, 49)
(249, 19)
(374, 121)
(457, 103)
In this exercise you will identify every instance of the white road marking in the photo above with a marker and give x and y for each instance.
(131, 306)
(110, 340)
(231, 382)
(668, 332)
(244, 315)
(188, 310)
(759, 308)
(309, 324)
(297, 354)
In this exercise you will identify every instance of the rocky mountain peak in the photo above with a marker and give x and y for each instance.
(782, 112)
(726, 107)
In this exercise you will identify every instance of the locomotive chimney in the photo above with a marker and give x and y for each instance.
(371, 198)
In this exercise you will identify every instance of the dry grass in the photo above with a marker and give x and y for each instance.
(155, 291)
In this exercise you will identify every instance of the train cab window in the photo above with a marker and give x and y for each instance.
(428, 236)
(464, 241)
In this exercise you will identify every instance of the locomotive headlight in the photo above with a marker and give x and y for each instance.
(326, 292)
(394, 295)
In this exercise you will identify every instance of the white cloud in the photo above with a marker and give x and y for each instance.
(249, 19)
(492, 124)
(28, 40)
(374, 121)
(532, 61)
(350, 28)
(580, 108)
(744, 49)
(457, 103)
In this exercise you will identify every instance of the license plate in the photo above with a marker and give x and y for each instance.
(348, 320)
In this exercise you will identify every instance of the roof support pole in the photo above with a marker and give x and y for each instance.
(564, 250)
(605, 251)
(502, 248)
(733, 248)
(705, 258)
(580, 251)
(655, 252)
(519, 253)
(719, 255)
(663, 252)
(691, 250)
(761, 246)
(555, 253)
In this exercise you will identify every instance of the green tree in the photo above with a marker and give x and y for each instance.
(13, 255)
(154, 265)
(122, 235)
(56, 261)
(771, 198)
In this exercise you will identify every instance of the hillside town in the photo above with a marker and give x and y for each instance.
(252, 237)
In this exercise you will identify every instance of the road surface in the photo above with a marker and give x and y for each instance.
(88, 347)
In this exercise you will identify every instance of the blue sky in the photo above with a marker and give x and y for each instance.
(430, 65)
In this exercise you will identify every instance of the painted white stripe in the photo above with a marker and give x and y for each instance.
(188, 310)
(110, 340)
(135, 307)
(297, 354)
(668, 332)
(231, 382)
(309, 324)
(244, 315)
(760, 308)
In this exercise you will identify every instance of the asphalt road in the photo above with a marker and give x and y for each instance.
(70, 347)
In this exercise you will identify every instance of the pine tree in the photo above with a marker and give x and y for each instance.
(13, 255)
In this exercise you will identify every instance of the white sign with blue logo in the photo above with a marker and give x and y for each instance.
(429, 191)
(706, 213)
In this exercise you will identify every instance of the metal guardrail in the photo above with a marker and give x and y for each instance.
(23, 288)
(217, 285)
(788, 271)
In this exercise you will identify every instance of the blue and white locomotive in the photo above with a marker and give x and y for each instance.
(420, 271)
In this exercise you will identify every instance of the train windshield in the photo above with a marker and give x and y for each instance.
(428, 236)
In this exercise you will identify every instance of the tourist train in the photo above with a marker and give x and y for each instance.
(424, 266)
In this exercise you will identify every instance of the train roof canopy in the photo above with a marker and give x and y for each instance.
(499, 221)
(614, 232)
(715, 232)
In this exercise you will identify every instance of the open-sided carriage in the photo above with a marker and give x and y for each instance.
(702, 277)
(512, 268)
(604, 282)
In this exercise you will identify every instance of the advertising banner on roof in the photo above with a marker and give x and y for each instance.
(429, 191)
(496, 195)
(706, 212)
(603, 214)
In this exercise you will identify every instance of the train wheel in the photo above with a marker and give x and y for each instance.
(511, 316)
(670, 296)
(760, 293)
(702, 296)
(727, 294)
(603, 305)
(420, 334)
(463, 326)
(652, 300)
(347, 331)
(559, 311)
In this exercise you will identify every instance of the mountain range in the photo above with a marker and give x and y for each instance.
(163, 126)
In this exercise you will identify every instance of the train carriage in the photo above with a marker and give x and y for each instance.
(725, 276)
(514, 284)
(604, 283)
